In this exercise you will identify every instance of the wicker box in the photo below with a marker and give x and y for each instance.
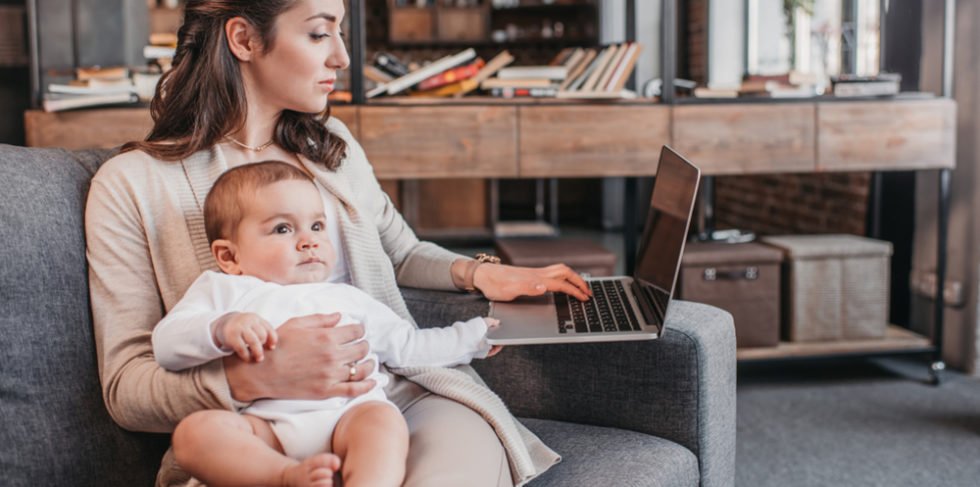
(834, 287)
(584, 256)
(743, 279)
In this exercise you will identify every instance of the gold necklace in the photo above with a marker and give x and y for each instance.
(259, 148)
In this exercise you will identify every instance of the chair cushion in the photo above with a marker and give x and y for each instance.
(593, 456)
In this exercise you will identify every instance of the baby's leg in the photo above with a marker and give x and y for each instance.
(372, 440)
(225, 448)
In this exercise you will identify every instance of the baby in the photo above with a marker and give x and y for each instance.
(268, 234)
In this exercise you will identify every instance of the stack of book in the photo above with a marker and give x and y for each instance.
(454, 75)
(786, 85)
(574, 73)
(161, 49)
(883, 84)
(91, 87)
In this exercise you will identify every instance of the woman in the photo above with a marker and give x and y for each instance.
(250, 82)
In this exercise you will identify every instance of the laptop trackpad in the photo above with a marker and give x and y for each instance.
(525, 317)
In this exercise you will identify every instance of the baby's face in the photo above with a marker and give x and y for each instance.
(283, 235)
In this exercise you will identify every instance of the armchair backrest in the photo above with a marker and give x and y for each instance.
(54, 428)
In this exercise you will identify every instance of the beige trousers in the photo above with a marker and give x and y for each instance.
(450, 445)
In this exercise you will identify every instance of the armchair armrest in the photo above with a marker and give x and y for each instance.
(680, 387)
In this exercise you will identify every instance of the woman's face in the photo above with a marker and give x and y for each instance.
(299, 70)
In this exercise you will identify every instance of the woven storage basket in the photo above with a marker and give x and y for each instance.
(834, 286)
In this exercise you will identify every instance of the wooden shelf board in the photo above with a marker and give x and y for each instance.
(491, 100)
(897, 339)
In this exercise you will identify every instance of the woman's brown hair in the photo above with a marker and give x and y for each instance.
(202, 98)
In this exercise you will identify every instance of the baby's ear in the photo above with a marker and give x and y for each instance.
(225, 254)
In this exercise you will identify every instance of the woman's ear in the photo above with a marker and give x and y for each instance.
(226, 255)
(241, 39)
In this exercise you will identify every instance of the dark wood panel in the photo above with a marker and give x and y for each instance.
(452, 203)
(349, 114)
(743, 138)
(892, 134)
(110, 127)
(440, 142)
(86, 129)
(592, 140)
(391, 187)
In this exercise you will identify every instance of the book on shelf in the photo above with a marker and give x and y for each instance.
(561, 59)
(625, 67)
(882, 84)
(601, 73)
(782, 91)
(580, 66)
(557, 73)
(709, 92)
(597, 95)
(458, 88)
(452, 75)
(56, 102)
(78, 89)
(598, 68)
(378, 76)
(492, 83)
(516, 92)
(390, 64)
(498, 62)
(163, 39)
(614, 60)
(866, 89)
(101, 73)
(411, 79)
(786, 85)
(158, 52)
(502, 59)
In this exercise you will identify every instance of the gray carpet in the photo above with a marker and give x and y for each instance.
(856, 423)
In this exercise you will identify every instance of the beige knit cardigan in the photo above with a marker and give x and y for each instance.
(146, 245)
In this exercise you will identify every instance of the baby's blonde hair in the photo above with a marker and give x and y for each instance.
(223, 206)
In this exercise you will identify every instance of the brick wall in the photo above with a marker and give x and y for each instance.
(697, 41)
(793, 203)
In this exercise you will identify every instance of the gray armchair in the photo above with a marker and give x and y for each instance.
(658, 413)
(651, 413)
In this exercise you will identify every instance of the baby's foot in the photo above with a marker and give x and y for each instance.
(316, 471)
(491, 322)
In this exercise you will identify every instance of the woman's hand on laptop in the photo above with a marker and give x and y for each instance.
(505, 283)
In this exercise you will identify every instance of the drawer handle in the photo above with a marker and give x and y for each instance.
(749, 274)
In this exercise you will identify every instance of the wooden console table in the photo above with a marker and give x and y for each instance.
(415, 139)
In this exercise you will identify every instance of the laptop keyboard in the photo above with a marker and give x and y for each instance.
(607, 311)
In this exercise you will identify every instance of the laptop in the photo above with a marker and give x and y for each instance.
(622, 307)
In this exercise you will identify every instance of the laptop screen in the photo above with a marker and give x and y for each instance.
(671, 206)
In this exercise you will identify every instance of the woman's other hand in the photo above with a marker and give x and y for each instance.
(312, 360)
(505, 283)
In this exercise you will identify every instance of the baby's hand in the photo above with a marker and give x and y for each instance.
(245, 333)
(491, 324)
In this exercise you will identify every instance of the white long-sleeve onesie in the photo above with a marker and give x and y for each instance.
(304, 427)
